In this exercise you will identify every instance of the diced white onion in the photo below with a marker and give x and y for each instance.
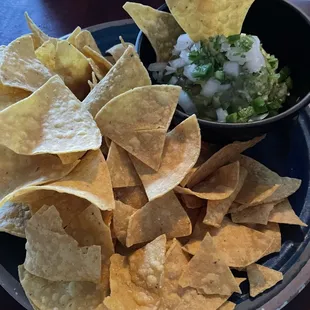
(183, 42)
(196, 46)
(231, 68)
(225, 47)
(177, 63)
(184, 55)
(225, 87)
(160, 75)
(157, 66)
(235, 54)
(221, 115)
(258, 117)
(186, 103)
(254, 57)
(173, 80)
(210, 88)
(170, 70)
(188, 72)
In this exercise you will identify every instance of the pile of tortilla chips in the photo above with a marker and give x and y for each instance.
(118, 212)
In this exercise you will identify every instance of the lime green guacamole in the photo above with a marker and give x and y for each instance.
(226, 79)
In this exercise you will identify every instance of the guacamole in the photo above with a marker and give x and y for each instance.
(225, 79)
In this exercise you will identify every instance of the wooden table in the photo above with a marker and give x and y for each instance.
(59, 17)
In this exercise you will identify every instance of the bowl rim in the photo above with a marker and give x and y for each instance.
(291, 111)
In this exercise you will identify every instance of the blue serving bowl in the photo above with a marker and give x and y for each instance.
(284, 31)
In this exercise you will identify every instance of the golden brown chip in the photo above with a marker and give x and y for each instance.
(88, 229)
(160, 27)
(118, 50)
(138, 121)
(85, 38)
(122, 170)
(121, 216)
(20, 68)
(56, 256)
(13, 219)
(225, 155)
(162, 215)
(228, 305)
(253, 215)
(127, 73)
(202, 19)
(192, 202)
(19, 171)
(283, 213)
(10, 95)
(262, 175)
(183, 139)
(217, 209)
(51, 120)
(208, 272)
(220, 185)
(45, 294)
(133, 196)
(262, 278)
(70, 157)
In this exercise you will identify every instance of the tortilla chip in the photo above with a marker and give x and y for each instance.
(163, 215)
(10, 95)
(121, 216)
(262, 278)
(70, 157)
(46, 53)
(85, 38)
(73, 35)
(225, 155)
(220, 185)
(217, 209)
(56, 256)
(97, 73)
(39, 124)
(133, 196)
(13, 219)
(138, 121)
(88, 229)
(19, 171)
(20, 68)
(101, 62)
(130, 290)
(253, 215)
(262, 175)
(271, 230)
(283, 213)
(207, 18)
(118, 50)
(45, 294)
(126, 74)
(208, 272)
(38, 36)
(192, 202)
(160, 27)
(239, 245)
(228, 305)
(183, 139)
(122, 170)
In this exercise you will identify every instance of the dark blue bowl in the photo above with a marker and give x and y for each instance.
(284, 31)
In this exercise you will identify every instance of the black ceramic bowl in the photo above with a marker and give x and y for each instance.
(285, 32)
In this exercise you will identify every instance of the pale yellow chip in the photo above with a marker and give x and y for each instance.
(162, 215)
(51, 120)
(73, 35)
(160, 27)
(283, 213)
(121, 216)
(88, 228)
(220, 185)
(38, 36)
(10, 95)
(263, 175)
(208, 272)
(13, 219)
(202, 19)
(70, 157)
(126, 74)
(225, 155)
(97, 74)
(183, 140)
(56, 256)
(253, 215)
(217, 209)
(20, 171)
(20, 68)
(133, 196)
(118, 50)
(138, 121)
(47, 295)
(46, 53)
(122, 170)
(85, 38)
(262, 278)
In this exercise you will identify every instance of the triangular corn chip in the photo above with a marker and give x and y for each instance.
(133, 196)
(10, 95)
(118, 50)
(85, 38)
(228, 305)
(73, 35)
